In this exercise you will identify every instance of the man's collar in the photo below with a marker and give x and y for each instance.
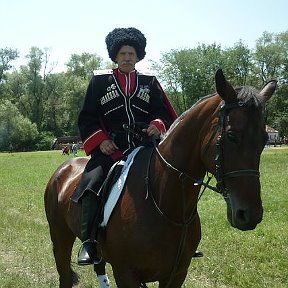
(122, 73)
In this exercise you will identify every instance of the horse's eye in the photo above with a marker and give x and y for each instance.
(233, 137)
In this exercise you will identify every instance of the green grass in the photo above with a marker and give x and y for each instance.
(232, 258)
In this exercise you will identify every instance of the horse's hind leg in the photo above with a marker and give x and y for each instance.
(62, 248)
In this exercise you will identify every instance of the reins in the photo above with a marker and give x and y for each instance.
(185, 175)
(184, 224)
(182, 177)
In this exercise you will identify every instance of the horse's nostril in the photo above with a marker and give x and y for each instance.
(242, 216)
(247, 219)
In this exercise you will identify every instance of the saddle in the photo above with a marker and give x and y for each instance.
(106, 188)
(115, 172)
(135, 130)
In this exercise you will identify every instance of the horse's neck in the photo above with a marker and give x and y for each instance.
(183, 144)
(182, 149)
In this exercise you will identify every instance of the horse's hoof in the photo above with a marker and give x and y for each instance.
(198, 253)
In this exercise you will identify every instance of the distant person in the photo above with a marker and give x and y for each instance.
(10, 148)
(65, 150)
(75, 149)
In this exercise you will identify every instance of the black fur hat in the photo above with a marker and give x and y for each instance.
(125, 36)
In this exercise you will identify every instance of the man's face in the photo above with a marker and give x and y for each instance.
(126, 59)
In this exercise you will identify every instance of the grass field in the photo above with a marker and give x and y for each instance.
(232, 258)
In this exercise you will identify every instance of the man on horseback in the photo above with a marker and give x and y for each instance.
(115, 98)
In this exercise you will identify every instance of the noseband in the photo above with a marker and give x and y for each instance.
(220, 174)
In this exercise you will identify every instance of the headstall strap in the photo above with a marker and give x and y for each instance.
(220, 175)
(219, 152)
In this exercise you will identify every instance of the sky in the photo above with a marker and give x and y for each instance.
(69, 27)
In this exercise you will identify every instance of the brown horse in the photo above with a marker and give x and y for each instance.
(154, 229)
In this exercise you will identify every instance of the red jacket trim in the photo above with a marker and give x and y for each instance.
(159, 124)
(94, 140)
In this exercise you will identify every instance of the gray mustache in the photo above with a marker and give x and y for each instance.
(126, 62)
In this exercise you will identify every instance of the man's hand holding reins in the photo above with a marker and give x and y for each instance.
(152, 131)
(108, 147)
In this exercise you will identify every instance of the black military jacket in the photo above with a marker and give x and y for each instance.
(106, 108)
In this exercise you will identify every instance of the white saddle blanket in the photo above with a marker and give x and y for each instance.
(118, 187)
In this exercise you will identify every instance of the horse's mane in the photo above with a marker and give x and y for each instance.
(247, 94)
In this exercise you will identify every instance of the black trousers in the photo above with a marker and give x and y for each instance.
(93, 175)
(92, 179)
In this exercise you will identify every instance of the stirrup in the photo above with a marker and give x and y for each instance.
(88, 258)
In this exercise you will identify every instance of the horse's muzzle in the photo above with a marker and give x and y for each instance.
(244, 219)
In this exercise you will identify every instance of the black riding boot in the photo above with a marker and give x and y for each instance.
(198, 253)
(88, 251)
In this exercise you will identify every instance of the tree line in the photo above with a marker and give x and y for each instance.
(38, 105)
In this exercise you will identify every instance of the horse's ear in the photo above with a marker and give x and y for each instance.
(267, 91)
(224, 88)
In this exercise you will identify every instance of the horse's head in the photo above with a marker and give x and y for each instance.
(240, 137)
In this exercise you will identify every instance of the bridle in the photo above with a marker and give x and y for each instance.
(220, 174)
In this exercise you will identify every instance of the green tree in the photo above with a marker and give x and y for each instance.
(79, 72)
(189, 74)
(15, 87)
(15, 128)
(31, 102)
(237, 63)
(55, 88)
(169, 74)
(83, 65)
(269, 56)
(271, 62)
(74, 97)
(65, 98)
(7, 55)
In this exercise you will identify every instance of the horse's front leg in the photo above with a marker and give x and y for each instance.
(102, 277)
(175, 282)
(125, 278)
